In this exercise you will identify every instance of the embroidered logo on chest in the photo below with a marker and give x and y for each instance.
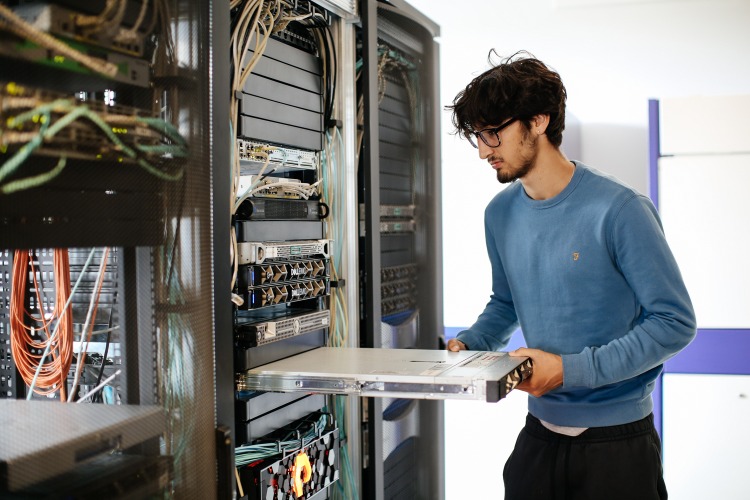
(576, 255)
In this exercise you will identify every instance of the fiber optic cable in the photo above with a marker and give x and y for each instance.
(57, 326)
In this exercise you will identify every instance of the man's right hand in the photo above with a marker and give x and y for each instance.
(455, 345)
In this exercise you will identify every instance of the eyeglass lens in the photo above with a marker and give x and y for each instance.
(490, 136)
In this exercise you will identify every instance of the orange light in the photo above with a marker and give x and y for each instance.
(301, 472)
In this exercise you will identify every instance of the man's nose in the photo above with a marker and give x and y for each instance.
(484, 149)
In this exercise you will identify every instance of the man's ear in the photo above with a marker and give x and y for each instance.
(539, 124)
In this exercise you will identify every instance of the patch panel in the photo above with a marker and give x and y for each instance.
(254, 155)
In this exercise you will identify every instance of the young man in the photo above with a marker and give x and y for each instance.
(580, 262)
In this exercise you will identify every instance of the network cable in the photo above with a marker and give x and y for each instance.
(9, 21)
(40, 118)
(293, 441)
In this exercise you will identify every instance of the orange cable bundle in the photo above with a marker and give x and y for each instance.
(27, 352)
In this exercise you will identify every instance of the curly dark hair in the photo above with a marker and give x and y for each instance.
(521, 87)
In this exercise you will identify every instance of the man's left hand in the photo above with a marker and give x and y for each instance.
(547, 372)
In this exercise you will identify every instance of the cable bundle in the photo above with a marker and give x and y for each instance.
(28, 351)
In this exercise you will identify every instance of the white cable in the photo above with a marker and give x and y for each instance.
(23, 29)
(103, 23)
(98, 387)
(89, 314)
(130, 33)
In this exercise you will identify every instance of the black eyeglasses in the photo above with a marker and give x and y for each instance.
(489, 136)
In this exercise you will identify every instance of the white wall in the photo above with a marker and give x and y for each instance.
(613, 55)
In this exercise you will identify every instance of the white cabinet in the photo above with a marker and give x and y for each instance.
(705, 210)
(704, 125)
(706, 436)
(703, 179)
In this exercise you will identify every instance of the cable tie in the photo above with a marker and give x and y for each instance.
(334, 123)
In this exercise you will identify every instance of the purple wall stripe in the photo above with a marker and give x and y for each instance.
(654, 151)
(725, 352)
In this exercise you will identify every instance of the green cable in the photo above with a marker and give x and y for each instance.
(48, 131)
(25, 151)
(176, 151)
(36, 180)
(65, 104)
(169, 129)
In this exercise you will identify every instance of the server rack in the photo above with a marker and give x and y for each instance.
(400, 252)
(181, 338)
(294, 140)
(108, 125)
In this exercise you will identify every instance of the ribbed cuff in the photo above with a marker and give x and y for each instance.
(576, 369)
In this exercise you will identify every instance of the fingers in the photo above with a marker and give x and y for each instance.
(521, 351)
(455, 345)
(548, 373)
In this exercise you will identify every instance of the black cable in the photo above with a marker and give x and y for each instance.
(98, 397)
(327, 50)
(334, 73)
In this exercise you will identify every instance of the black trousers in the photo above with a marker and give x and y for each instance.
(621, 462)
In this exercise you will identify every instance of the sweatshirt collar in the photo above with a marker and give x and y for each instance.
(578, 173)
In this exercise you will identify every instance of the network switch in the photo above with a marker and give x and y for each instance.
(129, 37)
(278, 159)
(81, 139)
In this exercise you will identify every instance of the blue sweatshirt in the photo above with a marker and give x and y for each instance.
(587, 275)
